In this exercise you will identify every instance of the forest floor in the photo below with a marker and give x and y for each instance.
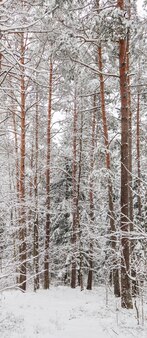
(62, 312)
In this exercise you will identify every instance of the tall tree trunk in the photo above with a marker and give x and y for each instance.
(108, 166)
(126, 297)
(130, 191)
(74, 186)
(80, 272)
(48, 178)
(22, 231)
(17, 211)
(91, 196)
(31, 186)
(36, 221)
(16, 154)
(138, 156)
(130, 125)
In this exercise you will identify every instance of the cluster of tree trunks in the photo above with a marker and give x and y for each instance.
(122, 270)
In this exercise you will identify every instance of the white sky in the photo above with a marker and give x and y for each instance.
(139, 6)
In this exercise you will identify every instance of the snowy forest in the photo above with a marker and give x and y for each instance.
(73, 149)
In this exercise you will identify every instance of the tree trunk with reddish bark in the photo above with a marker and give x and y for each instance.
(130, 125)
(126, 297)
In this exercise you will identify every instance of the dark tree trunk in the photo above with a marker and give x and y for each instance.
(91, 197)
(80, 272)
(74, 185)
(138, 157)
(36, 222)
(126, 297)
(108, 166)
(48, 220)
(22, 224)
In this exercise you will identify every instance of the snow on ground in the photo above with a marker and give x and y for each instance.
(62, 312)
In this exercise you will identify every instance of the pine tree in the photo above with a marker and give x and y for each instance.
(22, 223)
(48, 179)
(126, 298)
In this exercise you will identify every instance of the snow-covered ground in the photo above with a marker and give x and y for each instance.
(65, 313)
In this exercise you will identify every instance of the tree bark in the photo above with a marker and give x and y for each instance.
(36, 221)
(138, 156)
(108, 167)
(17, 211)
(91, 196)
(22, 225)
(80, 271)
(126, 297)
(74, 185)
(48, 178)
(130, 125)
